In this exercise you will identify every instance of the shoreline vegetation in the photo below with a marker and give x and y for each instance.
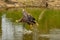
(49, 20)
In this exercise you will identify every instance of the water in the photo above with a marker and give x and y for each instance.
(35, 33)
(53, 35)
(12, 31)
(6, 26)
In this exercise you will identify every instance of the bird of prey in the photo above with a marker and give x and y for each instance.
(27, 18)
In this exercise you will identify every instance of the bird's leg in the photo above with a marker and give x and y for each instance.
(31, 26)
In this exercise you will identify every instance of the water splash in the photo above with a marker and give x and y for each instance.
(6, 29)
(12, 31)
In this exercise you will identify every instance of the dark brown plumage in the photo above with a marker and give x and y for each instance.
(27, 18)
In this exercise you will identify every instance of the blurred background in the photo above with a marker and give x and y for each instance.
(46, 13)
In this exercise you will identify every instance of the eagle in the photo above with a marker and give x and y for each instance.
(27, 18)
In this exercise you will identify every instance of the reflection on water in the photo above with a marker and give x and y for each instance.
(53, 35)
(11, 31)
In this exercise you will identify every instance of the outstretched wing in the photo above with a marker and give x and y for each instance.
(25, 14)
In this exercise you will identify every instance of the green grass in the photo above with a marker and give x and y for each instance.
(50, 19)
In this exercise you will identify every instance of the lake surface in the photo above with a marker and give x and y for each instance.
(11, 30)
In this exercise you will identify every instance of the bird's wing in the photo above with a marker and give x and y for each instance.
(25, 14)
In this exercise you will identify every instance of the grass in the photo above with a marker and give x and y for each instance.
(51, 18)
